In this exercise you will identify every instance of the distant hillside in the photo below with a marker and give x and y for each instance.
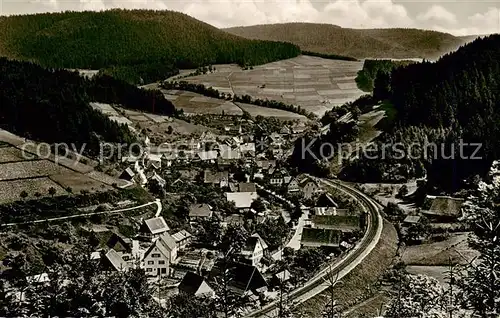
(130, 43)
(359, 43)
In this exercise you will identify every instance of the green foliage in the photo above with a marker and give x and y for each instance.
(130, 43)
(366, 77)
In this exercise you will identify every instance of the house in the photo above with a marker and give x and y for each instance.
(160, 255)
(182, 238)
(281, 277)
(195, 285)
(280, 177)
(341, 223)
(42, 278)
(293, 186)
(326, 200)
(242, 200)
(153, 160)
(154, 227)
(411, 219)
(314, 237)
(210, 156)
(245, 279)
(253, 251)
(285, 130)
(199, 211)
(112, 260)
(227, 153)
(246, 187)
(262, 242)
(128, 174)
(220, 178)
(233, 187)
(158, 179)
(248, 149)
(266, 165)
(309, 188)
(324, 211)
(442, 208)
(119, 243)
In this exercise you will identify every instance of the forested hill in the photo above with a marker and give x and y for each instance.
(130, 43)
(359, 43)
(53, 105)
(454, 100)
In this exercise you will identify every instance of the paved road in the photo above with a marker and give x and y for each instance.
(158, 211)
(343, 266)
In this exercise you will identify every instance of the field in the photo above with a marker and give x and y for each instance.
(23, 170)
(439, 254)
(313, 83)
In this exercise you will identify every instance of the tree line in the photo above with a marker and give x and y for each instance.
(131, 44)
(247, 99)
(452, 101)
(52, 105)
(371, 68)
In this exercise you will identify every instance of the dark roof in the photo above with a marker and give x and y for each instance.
(338, 222)
(250, 243)
(321, 237)
(116, 239)
(215, 177)
(246, 277)
(326, 200)
(191, 283)
(443, 206)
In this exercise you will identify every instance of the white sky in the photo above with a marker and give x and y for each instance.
(456, 17)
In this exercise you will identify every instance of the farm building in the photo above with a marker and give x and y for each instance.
(199, 211)
(341, 223)
(442, 208)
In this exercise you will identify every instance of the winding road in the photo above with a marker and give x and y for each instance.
(342, 266)
(158, 211)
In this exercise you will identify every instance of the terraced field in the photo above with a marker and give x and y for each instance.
(313, 83)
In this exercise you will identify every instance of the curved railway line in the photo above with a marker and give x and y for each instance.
(343, 266)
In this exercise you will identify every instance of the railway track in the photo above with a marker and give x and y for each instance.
(343, 266)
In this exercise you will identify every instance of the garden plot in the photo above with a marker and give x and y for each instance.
(77, 182)
(28, 169)
(11, 190)
(11, 154)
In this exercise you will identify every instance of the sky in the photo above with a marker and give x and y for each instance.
(458, 17)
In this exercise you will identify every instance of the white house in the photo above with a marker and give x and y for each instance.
(253, 251)
(242, 200)
(160, 255)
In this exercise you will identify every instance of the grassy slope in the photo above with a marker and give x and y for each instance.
(360, 43)
(360, 283)
(95, 40)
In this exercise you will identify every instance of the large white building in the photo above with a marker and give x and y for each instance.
(160, 256)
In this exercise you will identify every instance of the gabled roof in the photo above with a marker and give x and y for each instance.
(326, 200)
(116, 261)
(129, 172)
(412, 219)
(262, 242)
(250, 244)
(246, 278)
(181, 235)
(241, 199)
(208, 155)
(36, 279)
(443, 206)
(200, 210)
(215, 177)
(192, 283)
(283, 276)
(266, 164)
(156, 225)
(247, 187)
(165, 244)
